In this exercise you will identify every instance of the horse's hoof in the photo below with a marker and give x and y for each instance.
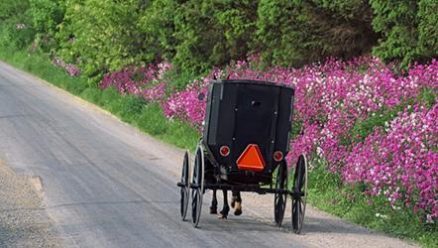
(233, 201)
(238, 210)
(222, 217)
(213, 210)
(224, 213)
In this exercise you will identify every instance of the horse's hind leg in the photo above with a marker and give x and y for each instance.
(226, 208)
(213, 207)
(236, 203)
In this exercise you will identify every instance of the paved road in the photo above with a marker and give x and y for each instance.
(107, 185)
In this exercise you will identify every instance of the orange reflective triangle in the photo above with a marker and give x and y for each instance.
(251, 159)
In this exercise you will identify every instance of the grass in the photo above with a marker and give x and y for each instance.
(326, 190)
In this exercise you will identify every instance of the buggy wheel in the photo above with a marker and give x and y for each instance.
(280, 199)
(198, 185)
(184, 190)
(299, 194)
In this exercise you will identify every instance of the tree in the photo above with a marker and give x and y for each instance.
(408, 29)
(293, 33)
(102, 35)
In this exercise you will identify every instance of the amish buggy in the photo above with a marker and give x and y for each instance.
(243, 147)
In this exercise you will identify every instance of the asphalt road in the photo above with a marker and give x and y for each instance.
(105, 184)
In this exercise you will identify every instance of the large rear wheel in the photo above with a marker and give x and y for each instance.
(184, 188)
(197, 185)
(280, 198)
(299, 194)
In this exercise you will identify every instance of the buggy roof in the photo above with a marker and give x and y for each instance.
(247, 81)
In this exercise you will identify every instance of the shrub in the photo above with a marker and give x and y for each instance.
(157, 24)
(100, 35)
(293, 33)
(46, 16)
(141, 81)
(399, 162)
(408, 29)
(15, 24)
(211, 33)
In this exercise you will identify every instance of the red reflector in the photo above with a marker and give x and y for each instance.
(278, 156)
(224, 151)
(251, 159)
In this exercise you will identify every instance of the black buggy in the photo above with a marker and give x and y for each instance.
(243, 148)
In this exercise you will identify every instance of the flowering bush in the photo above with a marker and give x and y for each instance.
(399, 162)
(71, 69)
(186, 105)
(330, 99)
(332, 95)
(142, 81)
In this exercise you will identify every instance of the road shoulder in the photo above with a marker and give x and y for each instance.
(23, 220)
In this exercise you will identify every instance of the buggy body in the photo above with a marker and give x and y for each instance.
(241, 113)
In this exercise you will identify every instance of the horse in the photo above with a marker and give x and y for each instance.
(236, 203)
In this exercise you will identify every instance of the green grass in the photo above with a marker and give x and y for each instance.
(326, 190)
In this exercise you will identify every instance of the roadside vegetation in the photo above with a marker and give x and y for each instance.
(365, 73)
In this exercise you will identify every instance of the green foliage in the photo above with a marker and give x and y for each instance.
(408, 29)
(211, 33)
(102, 35)
(292, 33)
(363, 128)
(46, 16)
(427, 29)
(198, 34)
(296, 129)
(11, 11)
(427, 97)
(157, 23)
(15, 24)
(178, 79)
(194, 35)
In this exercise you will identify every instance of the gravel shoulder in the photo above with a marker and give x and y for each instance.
(23, 221)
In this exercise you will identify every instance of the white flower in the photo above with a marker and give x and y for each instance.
(319, 151)
(378, 215)
(396, 207)
(429, 219)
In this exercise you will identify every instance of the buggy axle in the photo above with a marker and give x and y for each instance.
(246, 188)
